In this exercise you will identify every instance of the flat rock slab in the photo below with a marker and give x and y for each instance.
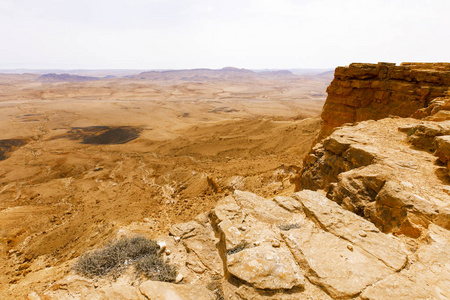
(427, 277)
(342, 269)
(263, 209)
(265, 267)
(206, 251)
(156, 290)
(353, 228)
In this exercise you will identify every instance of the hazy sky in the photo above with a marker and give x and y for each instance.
(162, 34)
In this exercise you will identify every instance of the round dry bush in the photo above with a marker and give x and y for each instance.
(118, 255)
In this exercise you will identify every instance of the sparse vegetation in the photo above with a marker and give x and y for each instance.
(236, 249)
(156, 268)
(216, 287)
(287, 227)
(144, 253)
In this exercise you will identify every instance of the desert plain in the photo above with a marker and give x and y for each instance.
(84, 160)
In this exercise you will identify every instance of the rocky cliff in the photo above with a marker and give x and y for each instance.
(374, 91)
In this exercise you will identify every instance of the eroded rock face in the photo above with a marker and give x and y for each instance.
(438, 110)
(374, 91)
(400, 189)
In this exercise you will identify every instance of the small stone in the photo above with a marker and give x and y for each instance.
(362, 233)
(350, 247)
(179, 278)
(167, 252)
(242, 228)
(176, 238)
(162, 245)
(275, 244)
(33, 296)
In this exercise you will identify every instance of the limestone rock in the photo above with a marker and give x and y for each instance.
(249, 226)
(263, 209)
(349, 226)
(76, 287)
(33, 296)
(437, 110)
(205, 249)
(266, 268)
(427, 277)
(156, 290)
(401, 190)
(116, 291)
(186, 230)
(425, 133)
(443, 148)
(374, 91)
(341, 272)
(309, 291)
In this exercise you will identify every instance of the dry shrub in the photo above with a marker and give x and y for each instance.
(144, 253)
(155, 268)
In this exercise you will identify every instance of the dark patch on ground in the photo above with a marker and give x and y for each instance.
(224, 109)
(8, 146)
(119, 135)
(30, 117)
(103, 135)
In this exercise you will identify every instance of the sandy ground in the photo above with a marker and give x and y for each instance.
(182, 146)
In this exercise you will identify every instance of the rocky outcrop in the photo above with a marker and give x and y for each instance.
(437, 110)
(75, 287)
(427, 277)
(374, 91)
(372, 170)
(300, 247)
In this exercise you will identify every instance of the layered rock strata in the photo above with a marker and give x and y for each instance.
(373, 170)
(374, 91)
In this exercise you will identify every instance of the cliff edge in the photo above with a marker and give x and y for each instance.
(362, 92)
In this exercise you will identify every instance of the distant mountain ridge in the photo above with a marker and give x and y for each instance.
(200, 74)
(53, 77)
(205, 74)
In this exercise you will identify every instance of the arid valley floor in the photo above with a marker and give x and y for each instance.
(83, 161)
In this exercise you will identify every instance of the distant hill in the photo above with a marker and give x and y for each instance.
(53, 77)
(329, 75)
(278, 73)
(311, 72)
(209, 74)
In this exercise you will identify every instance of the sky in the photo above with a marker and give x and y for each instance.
(253, 34)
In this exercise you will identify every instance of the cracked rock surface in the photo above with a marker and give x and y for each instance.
(309, 248)
(403, 187)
